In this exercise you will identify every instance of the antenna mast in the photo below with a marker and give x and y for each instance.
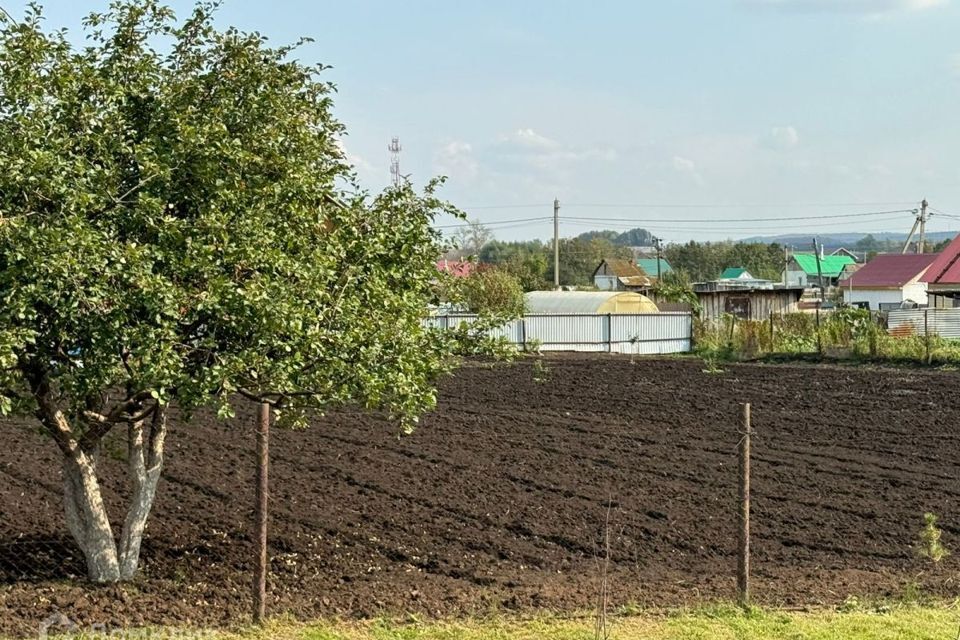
(395, 150)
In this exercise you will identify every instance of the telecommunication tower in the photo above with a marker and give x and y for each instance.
(395, 150)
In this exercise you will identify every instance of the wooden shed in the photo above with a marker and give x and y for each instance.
(747, 303)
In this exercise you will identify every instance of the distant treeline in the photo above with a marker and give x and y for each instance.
(532, 261)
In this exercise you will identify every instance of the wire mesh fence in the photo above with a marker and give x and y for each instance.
(32, 559)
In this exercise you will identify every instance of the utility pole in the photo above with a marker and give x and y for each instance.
(816, 253)
(656, 243)
(556, 244)
(913, 229)
(923, 225)
(786, 264)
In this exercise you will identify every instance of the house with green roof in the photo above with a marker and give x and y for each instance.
(736, 273)
(649, 266)
(803, 269)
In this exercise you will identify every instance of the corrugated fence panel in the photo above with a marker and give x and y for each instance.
(942, 322)
(568, 332)
(651, 333)
(640, 333)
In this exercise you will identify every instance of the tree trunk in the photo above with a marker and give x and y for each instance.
(87, 516)
(145, 464)
(86, 513)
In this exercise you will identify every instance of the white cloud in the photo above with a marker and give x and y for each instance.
(955, 63)
(868, 8)
(356, 161)
(456, 160)
(524, 150)
(781, 138)
(528, 138)
(687, 167)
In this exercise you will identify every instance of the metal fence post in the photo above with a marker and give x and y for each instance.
(260, 514)
(926, 334)
(743, 551)
(609, 333)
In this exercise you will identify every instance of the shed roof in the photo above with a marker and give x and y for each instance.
(620, 268)
(588, 302)
(944, 271)
(649, 266)
(830, 265)
(890, 270)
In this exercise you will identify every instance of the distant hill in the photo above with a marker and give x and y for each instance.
(633, 238)
(848, 239)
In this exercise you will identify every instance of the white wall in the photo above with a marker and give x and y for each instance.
(916, 292)
(796, 279)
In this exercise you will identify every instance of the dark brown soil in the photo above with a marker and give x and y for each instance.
(498, 501)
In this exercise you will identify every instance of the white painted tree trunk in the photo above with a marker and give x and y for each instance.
(145, 464)
(86, 514)
(87, 517)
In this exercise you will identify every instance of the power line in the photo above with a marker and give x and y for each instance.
(778, 219)
(665, 205)
(737, 206)
(499, 223)
(713, 228)
(507, 206)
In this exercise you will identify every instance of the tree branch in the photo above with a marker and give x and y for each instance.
(100, 424)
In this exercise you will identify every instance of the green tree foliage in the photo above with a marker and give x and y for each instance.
(493, 292)
(580, 258)
(937, 247)
(605, 234)
(527, 261)
(633, 238)
(676, 286)
(707, 260)
(173, 232)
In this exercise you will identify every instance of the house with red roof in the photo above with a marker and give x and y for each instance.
(943, 276)
(456, 268)
(889, 281)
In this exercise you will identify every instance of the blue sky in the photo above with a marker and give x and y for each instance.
(744, 108)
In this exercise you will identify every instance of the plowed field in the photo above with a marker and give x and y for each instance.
(500, 498)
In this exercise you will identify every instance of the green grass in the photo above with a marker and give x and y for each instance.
(717, 623)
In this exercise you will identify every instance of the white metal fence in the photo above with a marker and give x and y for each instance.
(941, 322)
(640, 333)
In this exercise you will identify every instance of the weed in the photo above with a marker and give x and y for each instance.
(711, 366)
(533, 346)
(930, 546)
(541, 371)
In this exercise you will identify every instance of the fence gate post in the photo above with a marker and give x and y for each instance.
(609, 333)
(743, 551)
(260, 514)
(771, 332)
